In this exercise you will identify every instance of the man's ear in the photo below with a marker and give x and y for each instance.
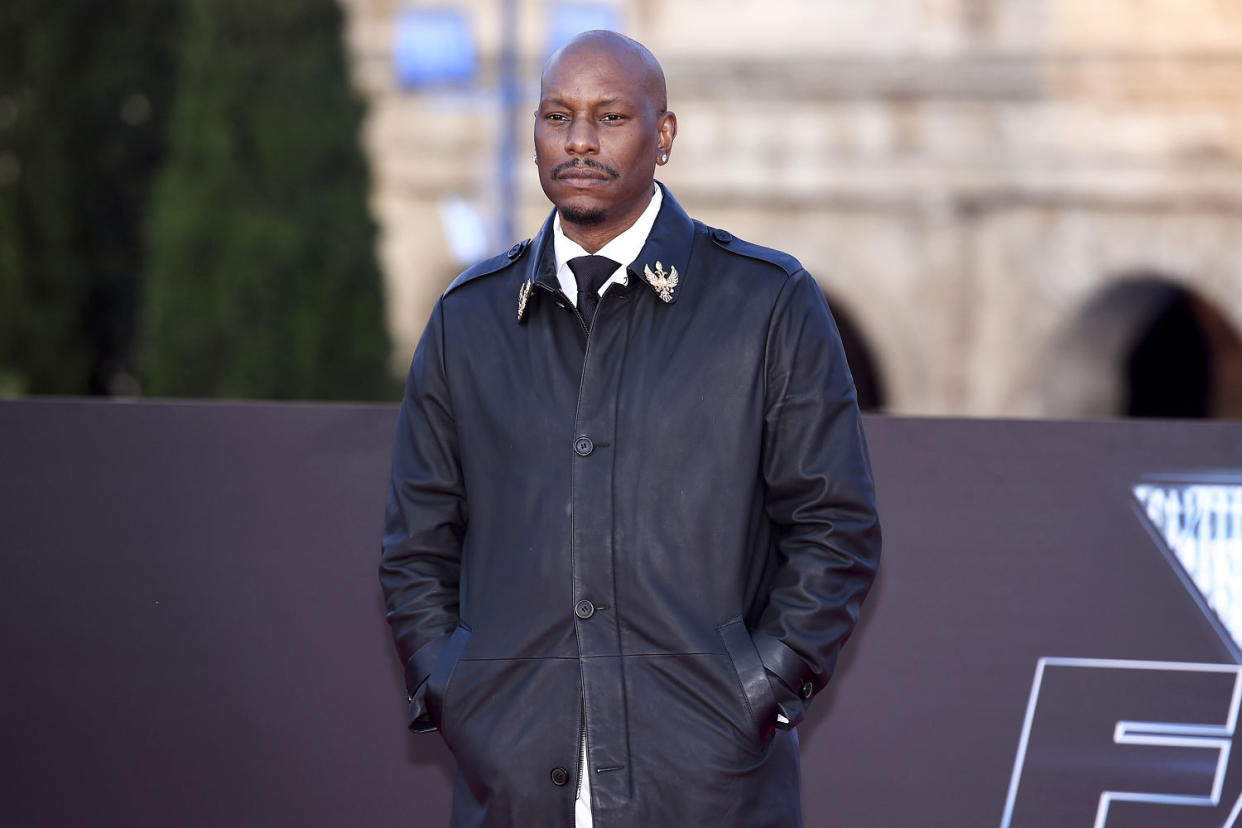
(666, 131)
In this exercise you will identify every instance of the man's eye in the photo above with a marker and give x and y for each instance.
(555, 116)
(612, 116)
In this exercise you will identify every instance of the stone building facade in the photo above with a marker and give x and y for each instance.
(969, 179)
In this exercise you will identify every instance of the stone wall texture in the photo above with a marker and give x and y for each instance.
(963, 176)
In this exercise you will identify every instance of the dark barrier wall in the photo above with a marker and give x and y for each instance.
(193, 633)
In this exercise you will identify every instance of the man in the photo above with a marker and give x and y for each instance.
(631, 520)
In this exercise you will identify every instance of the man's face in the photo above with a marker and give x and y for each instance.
(598, 133)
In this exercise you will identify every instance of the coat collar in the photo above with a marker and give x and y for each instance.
(662, 264)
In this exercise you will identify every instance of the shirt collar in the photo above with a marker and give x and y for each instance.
(661, 263)
(623, 249)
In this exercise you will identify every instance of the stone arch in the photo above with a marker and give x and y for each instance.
(858, 353)
(1146, 345)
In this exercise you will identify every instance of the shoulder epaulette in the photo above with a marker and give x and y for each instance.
(492, 265)
(727, 241)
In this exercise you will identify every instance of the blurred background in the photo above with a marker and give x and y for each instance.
(1016, 207)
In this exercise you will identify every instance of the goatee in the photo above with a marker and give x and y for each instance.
(583, 217)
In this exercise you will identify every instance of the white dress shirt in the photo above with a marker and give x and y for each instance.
(623, 249)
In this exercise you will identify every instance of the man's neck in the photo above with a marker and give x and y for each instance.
(593, 237)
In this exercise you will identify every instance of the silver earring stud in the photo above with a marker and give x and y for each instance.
(663, 157)
(535, 158)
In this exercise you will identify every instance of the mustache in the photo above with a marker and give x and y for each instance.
(585, 162)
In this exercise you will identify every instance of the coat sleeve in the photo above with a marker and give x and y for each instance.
(425, 520)
(819, 495)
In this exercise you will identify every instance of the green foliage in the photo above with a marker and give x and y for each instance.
(83, 93)
(261, 279)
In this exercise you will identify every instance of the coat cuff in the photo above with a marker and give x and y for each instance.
(419, 718)
(417, 670)
(793, 682)
(420, 665)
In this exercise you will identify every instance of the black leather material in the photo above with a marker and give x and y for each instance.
(720, 522)
(442, 674)
(752, 677)
(786, 672)
(417, 669)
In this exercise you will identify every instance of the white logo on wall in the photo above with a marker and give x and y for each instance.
(1200, 525)
(1146, 742)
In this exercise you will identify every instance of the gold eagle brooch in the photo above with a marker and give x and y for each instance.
(662, 282)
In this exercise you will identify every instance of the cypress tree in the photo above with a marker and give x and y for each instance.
(84, 88)
(261, 279)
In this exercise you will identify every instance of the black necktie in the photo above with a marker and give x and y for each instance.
(590, 272)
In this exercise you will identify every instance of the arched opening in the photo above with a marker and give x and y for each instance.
(867, 379)
(1146, 346)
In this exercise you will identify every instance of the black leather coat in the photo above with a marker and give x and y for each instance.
(620, 531)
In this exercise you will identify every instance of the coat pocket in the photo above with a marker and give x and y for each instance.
(752, 678)
(442, 674)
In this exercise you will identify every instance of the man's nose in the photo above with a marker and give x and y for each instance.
(583, 137)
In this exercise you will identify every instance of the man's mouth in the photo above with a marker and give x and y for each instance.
(584, 171)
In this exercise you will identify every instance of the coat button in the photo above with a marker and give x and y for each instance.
(723, 236)
(583, 446)
(806, 689)
(514, 251)
(559, 777)
(584, 609)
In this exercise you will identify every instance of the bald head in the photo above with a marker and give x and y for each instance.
(632, 58)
